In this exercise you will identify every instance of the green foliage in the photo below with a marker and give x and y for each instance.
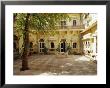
(68, 48)
(39, 21)
(45, 50)
(19, 21)
(46, 21)
(58, 49)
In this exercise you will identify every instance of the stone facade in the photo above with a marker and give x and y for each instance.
(66, 34)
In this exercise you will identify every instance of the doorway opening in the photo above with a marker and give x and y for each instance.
(41, 45)
(63, 45)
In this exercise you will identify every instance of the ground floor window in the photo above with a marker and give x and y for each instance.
(52, 45)
(74, 45)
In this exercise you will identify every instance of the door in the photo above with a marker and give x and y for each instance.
(62, 47)
(41, 45)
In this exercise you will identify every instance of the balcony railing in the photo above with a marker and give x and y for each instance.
(71, 27)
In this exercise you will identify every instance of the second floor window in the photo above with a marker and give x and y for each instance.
(63, 23)
(74, 22)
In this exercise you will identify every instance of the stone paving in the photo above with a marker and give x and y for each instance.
(52, 65)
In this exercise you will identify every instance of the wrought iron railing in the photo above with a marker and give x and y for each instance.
(71, 27)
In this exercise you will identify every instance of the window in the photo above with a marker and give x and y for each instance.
(74, 22)
(63, 24)
(52, 45)
(41, 40)
(74, 45)
(41, 45)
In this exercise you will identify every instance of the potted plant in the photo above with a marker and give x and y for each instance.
(68, 48)
(45, 50)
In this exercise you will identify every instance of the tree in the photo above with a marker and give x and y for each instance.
(26, 44)
(38, 21)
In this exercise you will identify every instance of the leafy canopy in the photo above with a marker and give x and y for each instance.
(39, 21)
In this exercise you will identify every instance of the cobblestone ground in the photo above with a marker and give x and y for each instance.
(52, 65)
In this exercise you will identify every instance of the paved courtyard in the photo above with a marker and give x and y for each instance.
(53, 65)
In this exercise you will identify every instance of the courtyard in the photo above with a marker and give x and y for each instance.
(53, 65)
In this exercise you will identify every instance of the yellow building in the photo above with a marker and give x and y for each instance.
(69, 33)
(66, 34)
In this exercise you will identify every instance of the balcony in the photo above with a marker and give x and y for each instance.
(71, 27)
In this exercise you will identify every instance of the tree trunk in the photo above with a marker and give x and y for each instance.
(25, 45)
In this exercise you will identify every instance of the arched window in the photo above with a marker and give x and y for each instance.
(63, 24)
(74, 45)
(52, 45)
(74, 22)
(41, 40)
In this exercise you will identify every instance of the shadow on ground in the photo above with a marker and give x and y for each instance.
(52, 65)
